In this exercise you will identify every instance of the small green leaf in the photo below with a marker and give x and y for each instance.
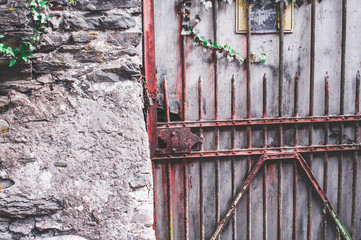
(12, 62)
(42, 3)
(1, 36)
(33, 3)
(10, 51)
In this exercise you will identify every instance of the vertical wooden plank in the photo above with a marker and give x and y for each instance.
(287, 200)
(226, 193)
(317, 206)
(194, 199)
(199, 64)
(166, 27)
(302, 206)
(241, 211)
(272, 226)
(209, 193)
(257, 205)
(328, 48)
(352, 66)
(347, 176)
(353, 52)
(161, 200)
(177, 199)
(332, 184)
(358, 200)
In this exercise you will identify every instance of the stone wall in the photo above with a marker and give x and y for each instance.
(76, 160)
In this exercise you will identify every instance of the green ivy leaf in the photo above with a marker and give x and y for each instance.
(12, 62)
(10, 51)
(33, 3)
(42, 3)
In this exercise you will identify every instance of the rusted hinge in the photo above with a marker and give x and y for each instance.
(179, 140)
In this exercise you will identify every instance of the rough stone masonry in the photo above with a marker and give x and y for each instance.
(76, 159)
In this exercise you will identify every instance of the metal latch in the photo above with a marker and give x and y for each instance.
(178, 140)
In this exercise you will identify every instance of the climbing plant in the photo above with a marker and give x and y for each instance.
(38, 18)
(188, 29)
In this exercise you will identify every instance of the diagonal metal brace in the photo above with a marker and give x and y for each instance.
(246, 183)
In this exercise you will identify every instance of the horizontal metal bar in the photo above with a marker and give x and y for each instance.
(261, 121)
(261, 151)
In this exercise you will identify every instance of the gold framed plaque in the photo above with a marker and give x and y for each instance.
(264, 17)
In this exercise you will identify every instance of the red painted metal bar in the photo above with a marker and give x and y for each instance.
(234, 189)
(311, 110)
(233, 99)
(264, 114)
(215, 66)
(233, 112)
(248, 59)
(354, 194)
(200, 99)
(342, 103)
(186, 199)
(355, 160)
(150, 71)
(312, 57)
(264, 177)
(170, 207)
(201, 199)
(249, 201)
(327, 95)
(166, 102)
(249, 113)
(325, 155)
(215, 59)
(280, 60)
(200, 109)
(183, 70)
(295, 189)
(357, 101)
(309, 204)
(279, 205)
(261, 151)
(325, 182)
(264, 173)
(280, 114)
(297, 80)
(262, 121)
(295, 172)
(217, 184)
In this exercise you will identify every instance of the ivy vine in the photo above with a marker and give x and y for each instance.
(38, 16)
(208, 3)
(188, 29)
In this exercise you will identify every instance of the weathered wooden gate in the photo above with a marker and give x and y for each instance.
(255, 151)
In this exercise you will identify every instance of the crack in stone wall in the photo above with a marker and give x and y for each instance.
(76, 159)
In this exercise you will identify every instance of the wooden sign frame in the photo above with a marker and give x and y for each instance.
(241, 19)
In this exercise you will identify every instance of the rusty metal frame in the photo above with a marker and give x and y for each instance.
(260, 121)
(266, 152)
(150, 90)
(251, 175)
(259, 151)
